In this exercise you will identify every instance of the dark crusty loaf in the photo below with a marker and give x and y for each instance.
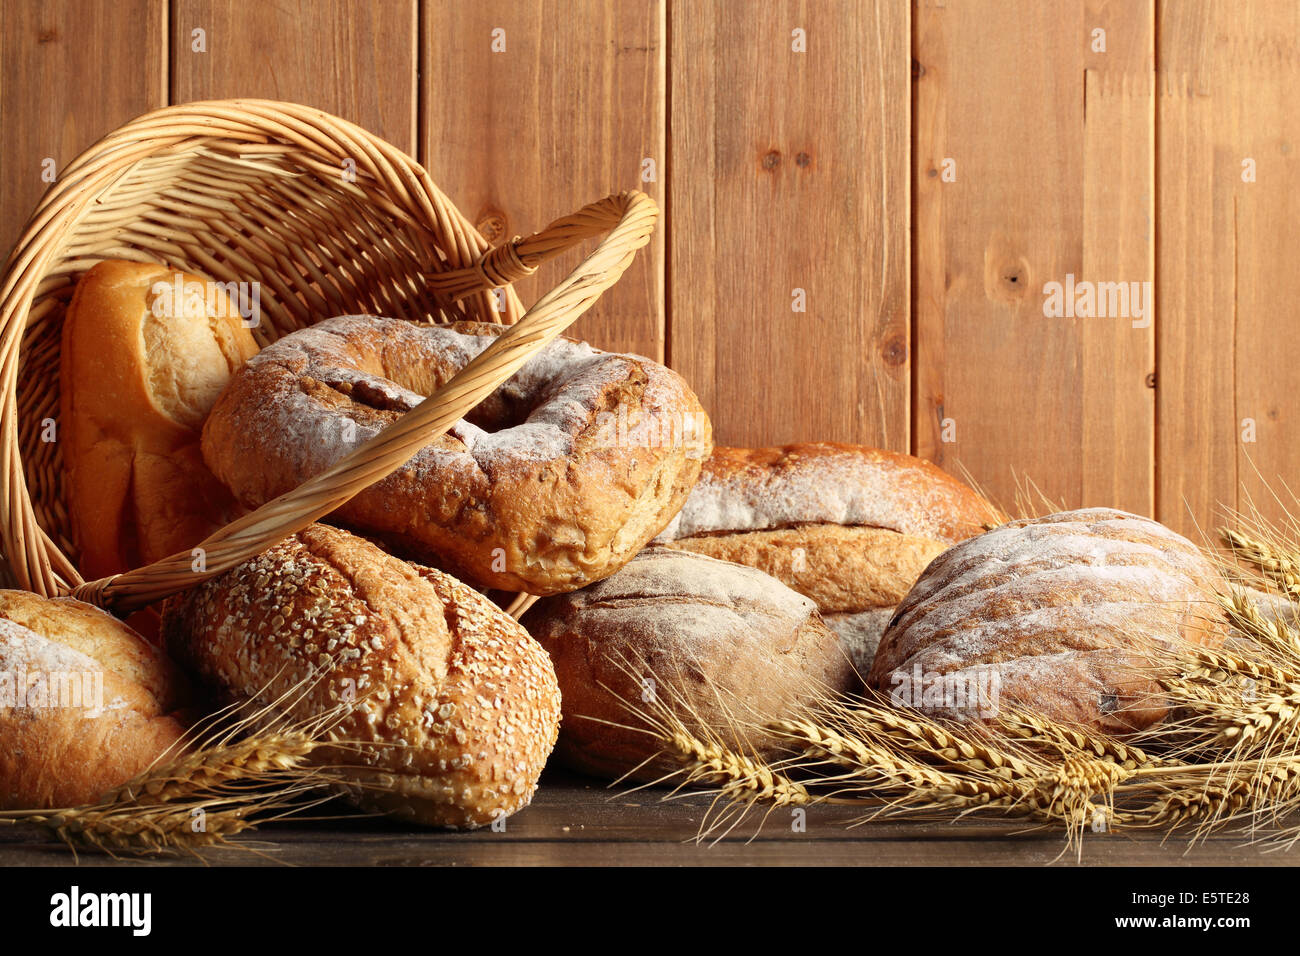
(1062, 609)
(706, 637)
(456, 707)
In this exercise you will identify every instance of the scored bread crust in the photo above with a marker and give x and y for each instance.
(844, 569)
(134, 389)
(714, 642)
(1065, 609)
(574, 468)
(757, 489)
(455, 709)
(849, 526)
(60, 756)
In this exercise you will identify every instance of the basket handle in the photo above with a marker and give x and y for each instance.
(628, 217)
(514, 260)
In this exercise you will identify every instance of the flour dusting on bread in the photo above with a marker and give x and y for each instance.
(1060, 606)
(758, 489)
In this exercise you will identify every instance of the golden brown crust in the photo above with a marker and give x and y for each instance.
(103, 716)
(708, 637)
(134, 389)
(1062, 608)
(756, 489)
(557, 479)
(96, 633)
(843, 569)
(851, 527)
(455, 704)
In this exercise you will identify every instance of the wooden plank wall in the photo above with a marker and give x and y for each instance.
(863, 199)
(790, 191)
(1229, 405)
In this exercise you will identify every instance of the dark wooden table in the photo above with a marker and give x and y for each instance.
(577, 822)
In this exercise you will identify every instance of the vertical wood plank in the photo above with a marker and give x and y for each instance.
(1263, 53)
(1117, 355)
(356, 60)
(1195, 450)
(70, 72)
(1229, 410)
(532, 110)
(1003, 389)
(790, 171)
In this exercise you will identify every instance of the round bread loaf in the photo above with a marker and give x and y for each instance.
(848, 526)
(86, 704)
(1053, 614)
(555, 480)
(710, 639)
(454, 707)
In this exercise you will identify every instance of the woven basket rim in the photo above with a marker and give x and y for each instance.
(472, 267)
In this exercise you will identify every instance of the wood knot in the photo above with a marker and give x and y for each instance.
(894, 351)
(492, 224)
(803, 160)
(49, 35)
(771, 159)
(918, 70)
(1006, 276)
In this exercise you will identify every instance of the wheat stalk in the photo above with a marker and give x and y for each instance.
(244, 765)
(1227, 754)
(898, 762)
(1277, 564)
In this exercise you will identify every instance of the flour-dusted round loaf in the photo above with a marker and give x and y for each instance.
(555, 480)
(848, 526)
(710, 639)
(86, 704)
(1059, 613)
(454, 708)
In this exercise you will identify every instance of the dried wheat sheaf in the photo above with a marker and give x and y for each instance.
(1227, 757)
(245, 765)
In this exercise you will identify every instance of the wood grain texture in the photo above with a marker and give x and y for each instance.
(1196, 438)
(1229, 77)
(70, 71)
(789, 171)
(356, 60)
(565, 114)
(1002, 389)
(578, 822)
(1117, 357)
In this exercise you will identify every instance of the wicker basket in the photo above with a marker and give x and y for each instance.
(329, 220)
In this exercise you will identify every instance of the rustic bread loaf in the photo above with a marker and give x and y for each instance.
(456, 707)
(555, 480)
(850, 527)
(85, 703)
(711, 639)
(140, 368)
(1059, 613)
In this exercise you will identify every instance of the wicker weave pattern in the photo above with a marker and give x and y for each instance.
(329, 220)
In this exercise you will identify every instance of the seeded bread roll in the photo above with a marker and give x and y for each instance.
(707, 637)
(1059, 612)
(456, 707)
(140, 368)
(850, 527)
(85, 703)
